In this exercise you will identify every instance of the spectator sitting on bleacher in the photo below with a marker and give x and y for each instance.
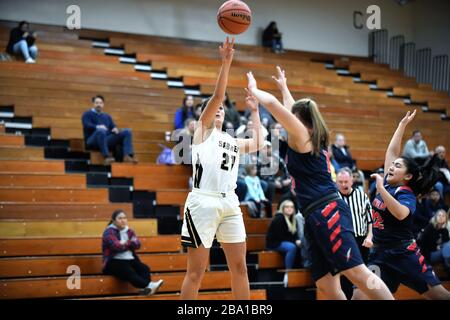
(277, 132)
(231, 114)
(304, 250)
(100, 133)
(271, 38)
(197, 111)
(421, 217)
(416, 148)
(246, 130)
(334, 166)
(443, 184)
(434, 242)
(22, 41)
(186, 111)
(358, 180)
(266, 117)
(119, 244)
(434, 202)
(341, 153)
(282, 235)
(255, 197)
(273, 173)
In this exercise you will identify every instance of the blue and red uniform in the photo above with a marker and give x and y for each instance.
(328, 221)
(395, 251)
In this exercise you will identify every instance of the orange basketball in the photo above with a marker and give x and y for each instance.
(234, 17)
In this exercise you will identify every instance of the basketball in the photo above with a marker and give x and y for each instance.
(234, 17)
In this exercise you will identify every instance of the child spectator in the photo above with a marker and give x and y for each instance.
(255, 194)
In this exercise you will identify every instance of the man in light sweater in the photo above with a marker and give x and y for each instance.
(416, 148)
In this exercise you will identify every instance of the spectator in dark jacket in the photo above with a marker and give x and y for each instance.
(282, 235)
(434, 241)
(341, 153)
(101, 133)
(231, 114)
(271, 38)
(185, 112)
(438, 159)
(434, 202)
(22, 41)
(119, 244)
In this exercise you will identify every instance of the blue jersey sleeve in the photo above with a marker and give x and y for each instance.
(408, 199)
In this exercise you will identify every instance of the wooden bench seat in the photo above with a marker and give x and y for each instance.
(25, 267)
(42, 167)
(54, 195)
(68, 228)
(21, 153)
(80, 246)
(61, 211)
(56, 287)
(72, 181)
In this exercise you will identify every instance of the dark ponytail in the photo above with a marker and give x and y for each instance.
(114, 216)
(423, 177)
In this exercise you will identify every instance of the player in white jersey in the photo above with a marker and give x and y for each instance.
(212, 208)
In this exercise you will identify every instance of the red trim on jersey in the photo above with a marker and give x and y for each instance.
(405, 188)
(335, 233)
(424, 268)
(412, 246)
(421, 259)
(333, 220)
(330, 207)
(337, 246)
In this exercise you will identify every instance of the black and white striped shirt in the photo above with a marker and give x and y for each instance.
(361, 209)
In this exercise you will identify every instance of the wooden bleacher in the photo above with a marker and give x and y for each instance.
(50, 217)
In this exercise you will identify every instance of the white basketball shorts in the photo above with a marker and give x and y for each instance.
(208, 214)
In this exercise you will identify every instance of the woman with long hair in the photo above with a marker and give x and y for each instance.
(434, 241)
(328, 222)
(119, 255)
(212, 207)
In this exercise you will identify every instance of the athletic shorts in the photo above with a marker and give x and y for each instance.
(331, 241)
(404, 264)
(212, 214)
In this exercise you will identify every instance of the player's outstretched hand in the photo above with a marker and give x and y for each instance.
(280, 79)
(408, 118)
(226, 50)
(250, 101)
(251, 82)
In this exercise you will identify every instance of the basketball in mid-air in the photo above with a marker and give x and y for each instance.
(234, 17)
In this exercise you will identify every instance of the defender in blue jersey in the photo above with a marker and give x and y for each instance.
(395, 255)
(328, 222)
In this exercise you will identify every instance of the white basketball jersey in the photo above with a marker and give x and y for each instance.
(215, 163)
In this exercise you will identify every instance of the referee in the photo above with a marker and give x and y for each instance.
(361, 209)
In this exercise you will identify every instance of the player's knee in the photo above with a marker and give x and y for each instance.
(239, 268)
(357, 274)
(195, 276)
